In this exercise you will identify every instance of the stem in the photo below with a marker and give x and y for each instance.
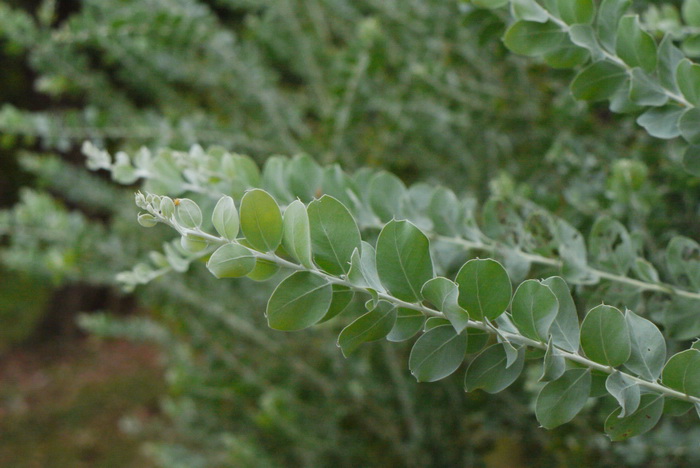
(429, 312)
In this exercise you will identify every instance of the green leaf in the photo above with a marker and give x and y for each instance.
(385, 194)
(648, 347)
(188, 213)
(576, 11)
(645, 271)
(488, 370)
(274, 177)
(342, 297)
(645, 90)
(533, 39)
(296, 233)
(604, 336)
(688, 81)
(669, 57)
(484, 288)
(689, 125)
(437, 353)
(584, 35)
(299, 301)
(635, 46)
(561, 400)
(625, 391)
(534, 309)
(598, 81)
(662, 122)
(363, 268)
(609, 15)
(444, 294)
(305, 176)
(644, 419)
(446, 212)
(334, 234)
(408, 323)
(691, 160)
(225, 218)
(691, 12)
(683, 260)
(403, 260)
(231, 261)
(264, 270)
(682, 372)
(528, 10)
(554, 363)
(261, 220)
(372, 326)
(565, 328)
(569, 55)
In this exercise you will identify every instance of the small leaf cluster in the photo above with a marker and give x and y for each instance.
(621, 62)
(389, 290)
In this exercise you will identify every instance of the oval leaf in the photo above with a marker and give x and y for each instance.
(372, 326)
(443, 294)
(299, 301)
(261, 220)
(644, 419)
(561, 400)
(565, 329)
(334, 234)
(488, 370)
(604, 336)
(296, 233)
(534, 309)
(484, 288)
(648, 347)
(437, 354)
(682, 372)
(403, 260)
(231, 261)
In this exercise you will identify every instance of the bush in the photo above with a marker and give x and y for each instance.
(426, 91)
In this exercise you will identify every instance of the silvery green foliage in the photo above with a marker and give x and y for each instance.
(401, 295)
(618, 61)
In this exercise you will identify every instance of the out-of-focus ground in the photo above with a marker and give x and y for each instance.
(61, 403)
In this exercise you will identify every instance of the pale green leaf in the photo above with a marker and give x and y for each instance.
(662, 122)
(532, 39)
(225, 218)
(554, 363)
(598, 81)
(604, 336)
(609, 15)
(689, 125)
(565, 328)
(561, 400)
(688, 80)
(385, 194)
(444, 294)
(625, 390)
(643, 420)
(408, 323)
(528, 10)
(403, 260)
(576, 11)
(484, 288)
(334, 234)
(296, 233)
(534, 309)
(645, 90)
(682, 372)
(635, 46)
(299, 301)
(437, 353)
(342, 297)
(372, 326)
(187, 213)
(648, 351)
(261, 220)
(231, 261)
(488, 370)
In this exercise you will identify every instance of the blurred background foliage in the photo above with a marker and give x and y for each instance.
(423, 88)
